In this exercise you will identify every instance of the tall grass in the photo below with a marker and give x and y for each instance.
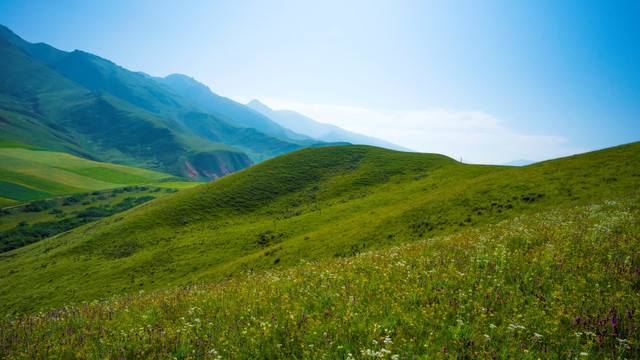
(559, 284)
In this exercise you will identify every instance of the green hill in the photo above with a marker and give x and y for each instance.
(29, 173)
(307, 205)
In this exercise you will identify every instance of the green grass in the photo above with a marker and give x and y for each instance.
(23, 225)
(14, 144)
(309, 205)
(18, 192)
(558, 284)
(178, 184)
(109, 175)
(29, 174)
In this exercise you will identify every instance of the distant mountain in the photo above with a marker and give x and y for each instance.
(520, 162)
(40, 106)
(40, 51)
(233, 124)
(226, 108)
(325, 132)
(216, 119)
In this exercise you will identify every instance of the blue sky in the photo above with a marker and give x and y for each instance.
(485, 81)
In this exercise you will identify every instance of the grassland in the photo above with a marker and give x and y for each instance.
(559, 284)
(29, 173)
(38, 220)
(309, 205)
(178, 184)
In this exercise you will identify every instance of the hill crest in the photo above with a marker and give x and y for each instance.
(310, 204)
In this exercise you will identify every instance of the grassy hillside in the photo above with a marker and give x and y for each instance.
(28, 173)
(560, 284)
(41, 219)
(308, 205)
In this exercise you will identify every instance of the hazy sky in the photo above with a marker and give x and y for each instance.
(485, 81)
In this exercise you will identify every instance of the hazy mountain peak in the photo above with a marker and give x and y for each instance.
(226, 108)
(520, 162)
(185, 80)
(326, 132)
(260, 107)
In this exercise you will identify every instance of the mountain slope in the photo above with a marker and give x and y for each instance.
(227, 122)
(28, 173)
(225, 107)
(307, 205)
(41, 107)
(325, 132)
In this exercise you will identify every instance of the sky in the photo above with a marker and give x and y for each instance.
(482, 81)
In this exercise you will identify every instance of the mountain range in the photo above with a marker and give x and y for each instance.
(80, 103)
(326, 132)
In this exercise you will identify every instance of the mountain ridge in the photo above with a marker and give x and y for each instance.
(224, 107)
(321, 131)
(41, 107)
(146, 97)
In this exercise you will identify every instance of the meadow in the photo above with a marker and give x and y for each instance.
(41, 219)
(29, 173)
(559, 284)
(311, 205)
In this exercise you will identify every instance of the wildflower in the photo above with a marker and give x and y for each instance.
(537, 336)
(584, 354)
(492, 326)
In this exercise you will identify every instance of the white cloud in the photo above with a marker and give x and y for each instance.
(474, 136)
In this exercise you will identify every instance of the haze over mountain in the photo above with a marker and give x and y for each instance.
(101, 111)
(520, 162)
(224, 107)
(42, 107)
(326, 132)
